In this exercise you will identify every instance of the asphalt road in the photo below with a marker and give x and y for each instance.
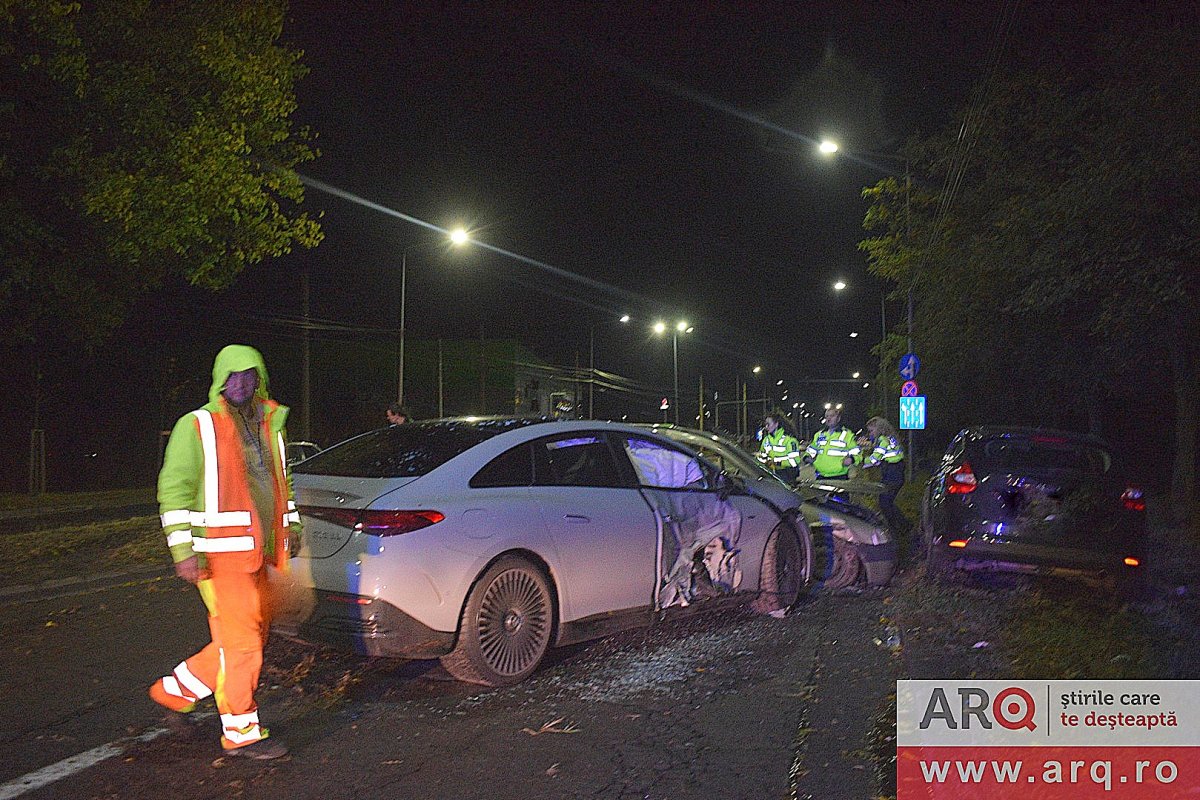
(721, 704)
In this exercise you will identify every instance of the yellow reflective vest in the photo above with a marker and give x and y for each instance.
(828, 449)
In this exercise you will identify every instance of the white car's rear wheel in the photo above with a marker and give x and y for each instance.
(506, 625)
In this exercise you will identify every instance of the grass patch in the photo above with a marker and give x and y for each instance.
(52, 501)
(1049, 636)
(81, 550)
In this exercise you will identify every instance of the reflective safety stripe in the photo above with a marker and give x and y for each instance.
(251, 733)
(171, 687)
(177, 517)
(212, 518)
(291, 505)
(282, 453)
(223, 544)
(239, 720)
(179, 537)
(290, 518)
(221, 519)
(190, 682)
(208, 442)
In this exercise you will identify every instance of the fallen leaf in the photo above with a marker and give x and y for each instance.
(552, 727)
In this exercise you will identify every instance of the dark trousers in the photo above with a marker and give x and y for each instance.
(787, 474)
(893, 479)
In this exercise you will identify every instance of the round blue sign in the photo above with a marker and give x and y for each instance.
(910, 365)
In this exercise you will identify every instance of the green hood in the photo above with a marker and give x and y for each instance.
(235, 358)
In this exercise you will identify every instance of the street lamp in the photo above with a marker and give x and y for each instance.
(829, 151)
(680, 327)
(624, 320)
(457, 237)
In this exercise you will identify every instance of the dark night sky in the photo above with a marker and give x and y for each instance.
(564, 133)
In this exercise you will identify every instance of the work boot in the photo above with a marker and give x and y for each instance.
(262, 750)
(169, 701)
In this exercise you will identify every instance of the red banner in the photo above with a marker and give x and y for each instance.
(1048, 773)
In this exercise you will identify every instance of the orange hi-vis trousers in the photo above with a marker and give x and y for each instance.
(239, 618)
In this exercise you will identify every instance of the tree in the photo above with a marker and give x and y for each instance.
(1068, 258)
(140, 142)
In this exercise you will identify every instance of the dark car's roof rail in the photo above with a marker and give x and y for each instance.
(1025, 431)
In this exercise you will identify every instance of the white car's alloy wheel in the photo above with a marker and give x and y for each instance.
(506, 625)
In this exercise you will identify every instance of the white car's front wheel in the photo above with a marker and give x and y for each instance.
(506, 625)
(786, 568)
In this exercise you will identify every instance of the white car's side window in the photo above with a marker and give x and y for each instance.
(661, 467)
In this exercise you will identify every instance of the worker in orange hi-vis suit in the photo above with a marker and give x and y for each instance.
(228, 512)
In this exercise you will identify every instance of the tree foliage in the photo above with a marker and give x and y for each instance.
(1068, 257)
(141, 142)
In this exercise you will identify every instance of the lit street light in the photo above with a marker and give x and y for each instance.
(853, 334)
(680, 327)
(837, 287)
(458, 237)
(828, 147)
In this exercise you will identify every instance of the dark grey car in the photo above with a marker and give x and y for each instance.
(1037, 501)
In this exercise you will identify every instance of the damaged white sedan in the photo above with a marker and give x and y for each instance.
(484, 542)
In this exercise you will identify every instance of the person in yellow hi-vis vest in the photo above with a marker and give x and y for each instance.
(832, 451)
(227, 509)
(779, 450)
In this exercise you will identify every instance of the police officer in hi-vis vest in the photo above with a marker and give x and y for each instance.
(779, 450)
(832, 451)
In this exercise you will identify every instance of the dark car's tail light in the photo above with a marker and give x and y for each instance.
(375, 523)
(394, 523)
(1130, 561)
(959, 542)
(1133, 499)
(962, 480)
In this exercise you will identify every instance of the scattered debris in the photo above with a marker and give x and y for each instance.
(552, 727)
(981, 644)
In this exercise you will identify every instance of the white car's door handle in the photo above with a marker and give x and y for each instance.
(578, 519)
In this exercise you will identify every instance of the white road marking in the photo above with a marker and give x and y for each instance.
(77, 763)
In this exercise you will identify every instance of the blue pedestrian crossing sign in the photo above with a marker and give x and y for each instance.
(910, 365)
(912, 413)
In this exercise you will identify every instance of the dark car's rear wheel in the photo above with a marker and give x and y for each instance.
(506, 625)
(937, 563)
(786, 568)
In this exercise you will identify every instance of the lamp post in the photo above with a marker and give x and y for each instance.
(680, 327)
(828, 148)
(457, 237)
(624, 320)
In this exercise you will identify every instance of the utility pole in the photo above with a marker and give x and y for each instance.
(400, 351)
(701, 425)
(910, 454)
(306, 382)
(441, 410)
(591, 369)
(745, 422)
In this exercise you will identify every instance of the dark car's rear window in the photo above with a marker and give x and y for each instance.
(1040, 453)
(403, 451)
